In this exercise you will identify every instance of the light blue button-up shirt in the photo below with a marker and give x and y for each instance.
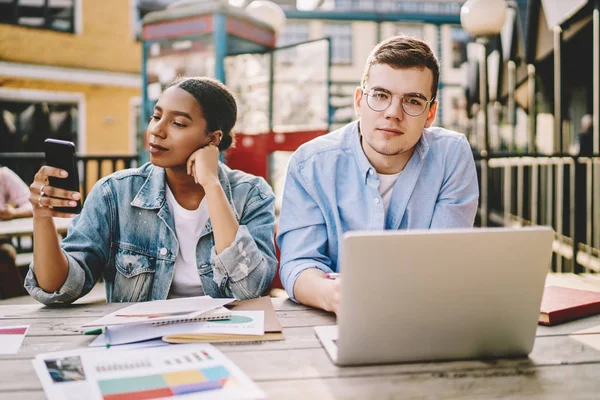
(332, 188)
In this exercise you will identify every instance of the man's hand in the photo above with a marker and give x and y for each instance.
(331, 295)
(314, 289)
(7, 212)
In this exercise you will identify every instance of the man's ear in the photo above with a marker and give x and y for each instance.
(358, 97)
(215, 137)
(431, 114)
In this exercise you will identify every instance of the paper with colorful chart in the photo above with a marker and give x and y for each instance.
(240, 323)
(196, 371)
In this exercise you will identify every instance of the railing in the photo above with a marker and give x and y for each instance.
(91, 168)
(561, 191)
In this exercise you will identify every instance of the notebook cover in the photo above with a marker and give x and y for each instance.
(273, 330)
(561, 304)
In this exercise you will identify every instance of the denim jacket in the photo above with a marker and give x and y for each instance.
(332, 188)
(126, 233)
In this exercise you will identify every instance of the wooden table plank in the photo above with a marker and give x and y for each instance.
(24, 226)
(546, 383)
(267, 364)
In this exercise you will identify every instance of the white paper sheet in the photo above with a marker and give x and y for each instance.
(159, 311)
(11, 338)
(589, 336)
(240, 323)
(196, 371)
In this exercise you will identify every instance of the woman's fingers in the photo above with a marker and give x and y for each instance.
(46, 171)
(58, 193)
(44, 197)
(46, 201)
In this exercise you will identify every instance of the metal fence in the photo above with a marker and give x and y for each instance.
(560, 191)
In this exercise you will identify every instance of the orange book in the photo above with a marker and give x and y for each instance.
(561, 304)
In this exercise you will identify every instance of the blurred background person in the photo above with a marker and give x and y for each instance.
(584, 138)
(14, 203)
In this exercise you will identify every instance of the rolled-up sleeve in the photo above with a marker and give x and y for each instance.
(302, 235)
(456, 205)
(87, 249)
(247, 267)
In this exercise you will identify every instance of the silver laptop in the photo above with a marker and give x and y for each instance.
(410, 296)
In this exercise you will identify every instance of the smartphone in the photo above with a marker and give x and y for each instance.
(61, 154)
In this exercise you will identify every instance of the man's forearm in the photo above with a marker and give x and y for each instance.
(312, 288)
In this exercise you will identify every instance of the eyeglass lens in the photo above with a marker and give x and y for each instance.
(379, 100)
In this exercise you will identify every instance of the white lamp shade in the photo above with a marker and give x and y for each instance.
(483, 17)
(268, 13)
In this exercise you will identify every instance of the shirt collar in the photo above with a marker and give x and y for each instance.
(421, 148)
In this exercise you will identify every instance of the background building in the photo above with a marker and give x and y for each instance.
(69, 69)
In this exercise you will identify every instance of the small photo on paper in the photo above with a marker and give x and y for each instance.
(66, 369)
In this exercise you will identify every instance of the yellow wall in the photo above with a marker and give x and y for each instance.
(107, 111)
(105, 43)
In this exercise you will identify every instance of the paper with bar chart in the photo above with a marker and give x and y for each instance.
(197, 371)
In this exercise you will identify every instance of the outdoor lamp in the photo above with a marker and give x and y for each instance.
(268, 13)
(483, 17)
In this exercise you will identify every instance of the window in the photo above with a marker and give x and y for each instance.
(25, 125)
(293, 33)
(341, 43)
(57, 15)
(415, 6)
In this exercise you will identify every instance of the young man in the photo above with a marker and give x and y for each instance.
(388, 170)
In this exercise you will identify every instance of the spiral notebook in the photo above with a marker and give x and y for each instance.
(161, 312)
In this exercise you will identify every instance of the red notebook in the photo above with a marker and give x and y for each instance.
(561, 304)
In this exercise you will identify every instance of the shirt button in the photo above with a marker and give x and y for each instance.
(163, 251)
(377, 200)
(370, 172)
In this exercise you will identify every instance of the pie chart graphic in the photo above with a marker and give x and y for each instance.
(234, 319)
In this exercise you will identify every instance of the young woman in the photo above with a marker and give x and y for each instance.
(182, 225)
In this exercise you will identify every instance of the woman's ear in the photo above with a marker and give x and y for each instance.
(215, 137)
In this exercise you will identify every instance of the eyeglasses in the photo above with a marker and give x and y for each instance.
(380, 99)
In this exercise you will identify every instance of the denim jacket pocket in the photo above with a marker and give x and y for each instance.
(134, 277)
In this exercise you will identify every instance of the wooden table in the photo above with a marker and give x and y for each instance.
(24, 226)
(298, 368)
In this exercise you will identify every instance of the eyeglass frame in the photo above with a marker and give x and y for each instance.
(366, 93)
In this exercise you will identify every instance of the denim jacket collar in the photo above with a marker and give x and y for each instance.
(152, 193)
(421, 148)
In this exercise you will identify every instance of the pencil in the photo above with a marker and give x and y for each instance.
(94, 332)
(332, 275)
(106, 337)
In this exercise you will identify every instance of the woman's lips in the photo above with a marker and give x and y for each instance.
(156, 149)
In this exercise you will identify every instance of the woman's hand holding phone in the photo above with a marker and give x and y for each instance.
(203, 165)
(44, 197)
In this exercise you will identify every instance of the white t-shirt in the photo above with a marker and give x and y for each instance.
(386, 187)
(188, 226)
